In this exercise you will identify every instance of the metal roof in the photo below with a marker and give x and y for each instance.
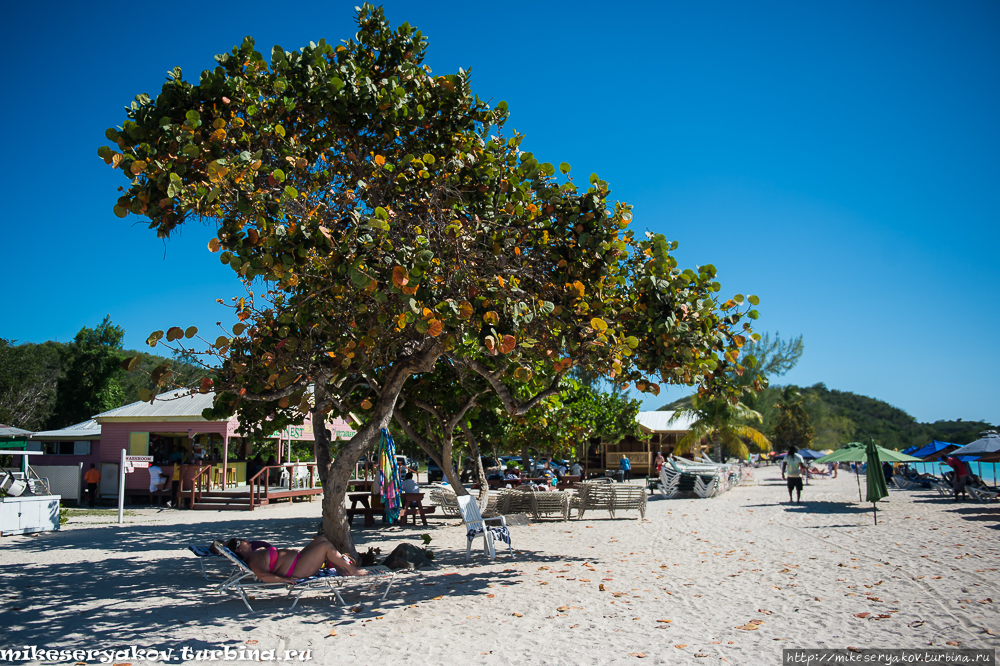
(172, 405)
(11, 431)
(87, 430)
(660, 422)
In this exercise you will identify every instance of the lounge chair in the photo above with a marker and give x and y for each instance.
(243, 579)
(981, 494)
(476, 527)
(205, 554)
(609, 496)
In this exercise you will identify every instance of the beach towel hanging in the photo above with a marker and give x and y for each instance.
(499, 533)
(388, 477)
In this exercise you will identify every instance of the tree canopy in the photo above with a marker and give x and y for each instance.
(382, 219)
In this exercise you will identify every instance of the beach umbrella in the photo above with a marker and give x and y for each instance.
(981, 447)
(808, 454)
(858, 452)
(876, 480)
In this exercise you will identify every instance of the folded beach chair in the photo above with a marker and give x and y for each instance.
(669, 481)
(243, 579)
(476, 527)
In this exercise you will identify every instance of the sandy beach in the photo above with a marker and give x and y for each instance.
(732, 579)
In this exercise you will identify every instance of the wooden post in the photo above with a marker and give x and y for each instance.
(225, 457)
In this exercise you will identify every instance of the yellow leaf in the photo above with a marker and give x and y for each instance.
(138, 167)
(214, 245)
(434, 327)
(599, 324)
(465, 310)
(379, 160)
(579, 288)
(366, 404)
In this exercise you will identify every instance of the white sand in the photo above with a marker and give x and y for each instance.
(930, 568)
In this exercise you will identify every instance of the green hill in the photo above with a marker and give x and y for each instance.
(839, 417)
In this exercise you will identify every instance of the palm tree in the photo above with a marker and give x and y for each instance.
(722, 424)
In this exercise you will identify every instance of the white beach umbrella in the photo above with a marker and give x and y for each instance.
(988, 444)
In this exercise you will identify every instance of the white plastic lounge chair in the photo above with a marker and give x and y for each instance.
(243, 579)
(981, 495)
(476, 527)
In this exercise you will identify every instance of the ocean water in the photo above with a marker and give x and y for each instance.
(986, 471)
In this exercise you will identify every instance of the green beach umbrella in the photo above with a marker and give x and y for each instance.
(858, 452)
(876, 480)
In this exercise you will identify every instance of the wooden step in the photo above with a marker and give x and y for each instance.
(221, 507)
(225, 500)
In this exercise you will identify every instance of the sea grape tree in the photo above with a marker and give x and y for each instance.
(382, 219)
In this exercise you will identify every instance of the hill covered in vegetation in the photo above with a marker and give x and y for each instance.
(839, 417)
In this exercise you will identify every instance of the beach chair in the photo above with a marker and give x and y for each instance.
(669, 482)
(476, 526)
(981, 494)
(205, 554)
(627, 498)
(445, 499)
(243, 579)
(708, 485)
(943, 489)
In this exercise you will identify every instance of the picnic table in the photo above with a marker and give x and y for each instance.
(373, 507)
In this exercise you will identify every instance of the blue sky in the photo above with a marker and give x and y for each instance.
(838, 159)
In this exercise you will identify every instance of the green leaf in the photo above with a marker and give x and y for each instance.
(754, 300)
(548, 169)
(738, 298)
(291, 192)
(546, 307)
(279, 175)
(564, 167)
(753, 314)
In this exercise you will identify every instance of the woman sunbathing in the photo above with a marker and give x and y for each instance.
(284, 565)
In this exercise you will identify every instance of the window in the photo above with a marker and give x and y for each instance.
(78, 448)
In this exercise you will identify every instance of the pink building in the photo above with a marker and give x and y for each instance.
(172, 431)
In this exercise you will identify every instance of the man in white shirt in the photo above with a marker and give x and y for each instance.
(409, 485)
(794, 466)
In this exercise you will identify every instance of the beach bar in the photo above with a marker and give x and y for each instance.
(210, 457)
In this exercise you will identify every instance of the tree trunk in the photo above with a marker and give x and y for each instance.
(524, 458)
(718, 448)
(484, 486)
(335, 525)
(447, 443)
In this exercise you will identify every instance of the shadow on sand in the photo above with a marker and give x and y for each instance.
(48, 604)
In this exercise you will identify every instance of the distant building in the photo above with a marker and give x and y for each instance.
(660, 435)
(172, 431)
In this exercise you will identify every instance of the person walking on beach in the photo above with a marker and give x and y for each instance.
(794, 466)
(960, 477)
(659, 462)
(92, 478)
(626, 467)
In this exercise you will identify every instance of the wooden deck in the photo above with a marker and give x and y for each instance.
(239, 498)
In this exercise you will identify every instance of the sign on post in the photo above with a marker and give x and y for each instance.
(129, 465)
(138, 462)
